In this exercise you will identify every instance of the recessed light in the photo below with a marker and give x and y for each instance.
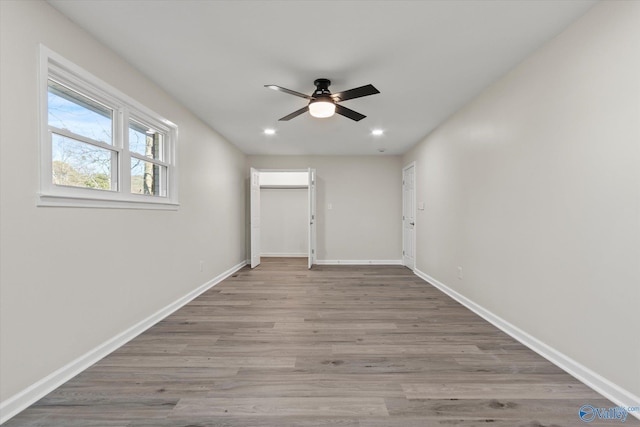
(269, 131)
(377, 132)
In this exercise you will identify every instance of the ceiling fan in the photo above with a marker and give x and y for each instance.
(324, 104)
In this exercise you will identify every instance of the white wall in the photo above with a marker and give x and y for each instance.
(365, 193)
(284, 179)
(534, 189)
(72, 278)
(284, 214)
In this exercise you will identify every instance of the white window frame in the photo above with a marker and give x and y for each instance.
(56, 67)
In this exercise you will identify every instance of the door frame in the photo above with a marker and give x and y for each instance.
(415, 222)
(254, 219)
(312, 214)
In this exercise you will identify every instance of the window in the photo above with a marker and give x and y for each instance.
(98, 147)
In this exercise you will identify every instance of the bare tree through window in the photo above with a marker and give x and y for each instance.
(146, 176)
(76, 121)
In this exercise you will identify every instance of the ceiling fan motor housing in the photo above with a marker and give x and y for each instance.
(322, 87)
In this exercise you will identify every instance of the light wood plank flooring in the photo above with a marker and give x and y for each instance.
(335, 346)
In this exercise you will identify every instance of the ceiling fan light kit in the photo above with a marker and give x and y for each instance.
(323, 104)
(322, 108)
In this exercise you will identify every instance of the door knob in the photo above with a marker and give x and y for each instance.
(412, 223)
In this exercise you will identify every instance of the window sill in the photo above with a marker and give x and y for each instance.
(50, 200)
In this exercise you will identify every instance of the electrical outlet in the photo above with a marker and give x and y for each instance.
(460, 273)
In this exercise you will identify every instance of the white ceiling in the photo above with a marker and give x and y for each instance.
(427, 58)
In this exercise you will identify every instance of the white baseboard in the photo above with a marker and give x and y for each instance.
(280, 255)
(359, 262)
(608, 389)
(21, 400)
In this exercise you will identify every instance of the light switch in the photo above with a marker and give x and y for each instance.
(329, 206)
(421, 206)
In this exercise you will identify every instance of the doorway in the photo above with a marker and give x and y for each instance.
(283, 222)
(274, 184)
(409, 216)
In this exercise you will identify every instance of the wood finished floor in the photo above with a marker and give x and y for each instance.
(365, 346)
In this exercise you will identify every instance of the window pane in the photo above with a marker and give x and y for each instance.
(78, 164)
(148, 178)
(145, 140)
(78, 114)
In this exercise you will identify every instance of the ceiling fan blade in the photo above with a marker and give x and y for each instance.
(289, 91)
(355, 93)
(353, 115)
(294, 114)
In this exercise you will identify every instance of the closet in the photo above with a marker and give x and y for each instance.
(283, 214)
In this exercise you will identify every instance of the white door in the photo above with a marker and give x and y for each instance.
(312, 217)
(255, 218)
(409, 216)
